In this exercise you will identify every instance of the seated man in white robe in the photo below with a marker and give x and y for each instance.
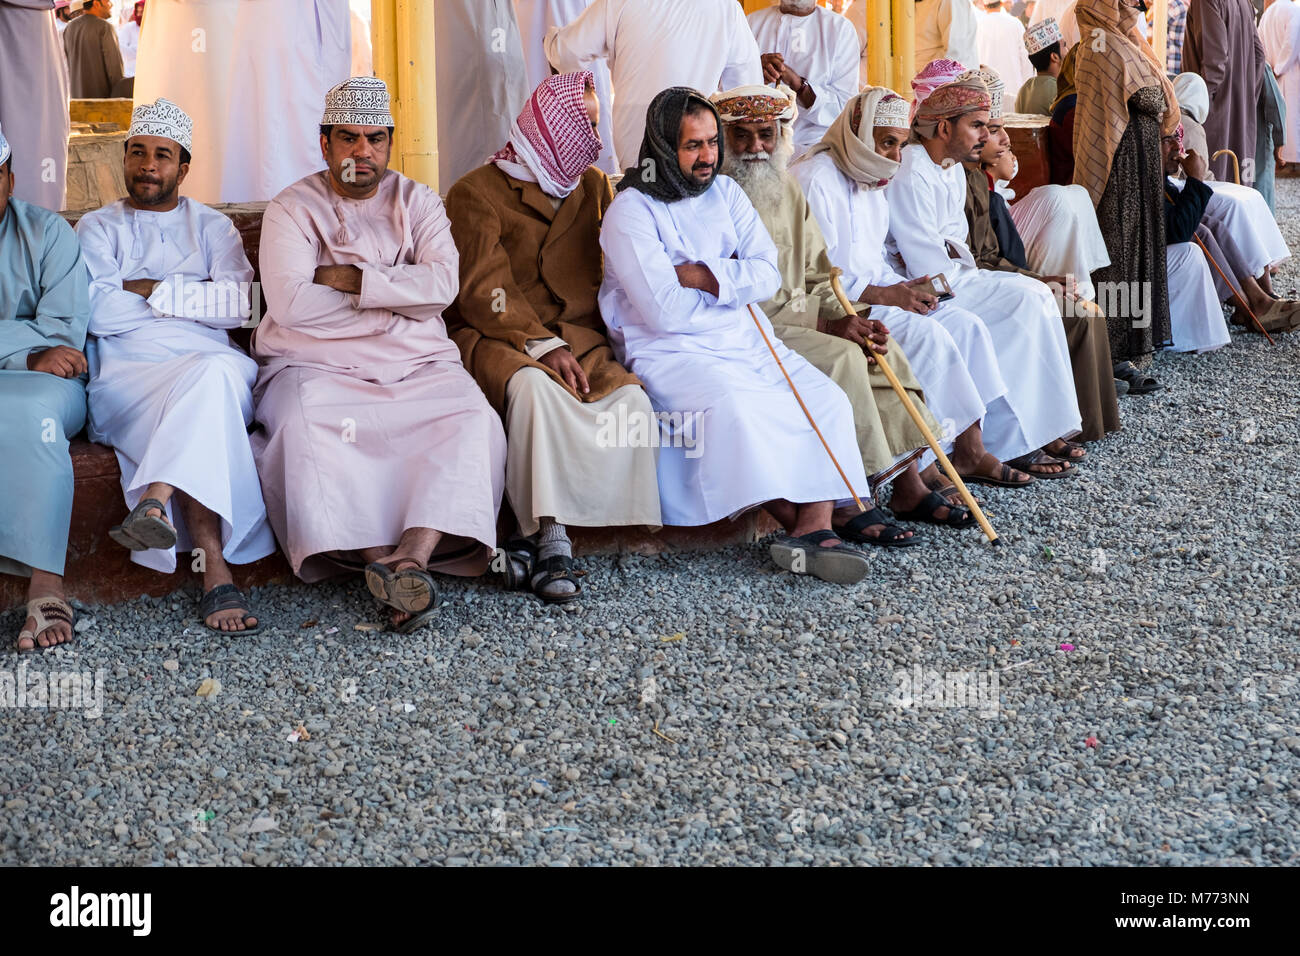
(168, 390)
(813, 51)
(928, 226)
(996, 244)
(43, 315)
(1195, 310)
(380, 451)
(687, 260)
(844, 180)
(808, 317)
(1241, 234)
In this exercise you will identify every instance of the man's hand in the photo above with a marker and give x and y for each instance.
(1061, 286)
(696, 275)
(871, 334)
(773, 67)
(61, 360)
(915, 295)
(562, 362)
(141, 287)
(343, 278)
(1194, 165)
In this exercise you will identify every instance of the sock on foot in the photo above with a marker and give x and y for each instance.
(553, 541)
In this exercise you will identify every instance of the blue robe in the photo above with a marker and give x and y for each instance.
(44, 301)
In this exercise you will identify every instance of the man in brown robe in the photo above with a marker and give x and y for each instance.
(94, 58)
(1223, 46)
(995, 243)
(581, 431)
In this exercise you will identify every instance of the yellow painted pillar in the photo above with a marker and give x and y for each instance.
(1160, 30)
(752, 5)
(903, 30)
(402, 33)
(880, 42)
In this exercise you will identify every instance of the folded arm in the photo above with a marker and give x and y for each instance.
(289, 258)
(423, 289)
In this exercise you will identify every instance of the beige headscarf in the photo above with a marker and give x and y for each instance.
(1113, 62)
(855, 153)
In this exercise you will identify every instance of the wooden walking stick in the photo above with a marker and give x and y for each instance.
(789, 381)
(1240, 294)
(912, 410)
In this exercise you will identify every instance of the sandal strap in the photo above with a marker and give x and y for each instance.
(48, 611)
(557, 565)
(817, 537)
(860, 522)
(145, 504)
(224, 597)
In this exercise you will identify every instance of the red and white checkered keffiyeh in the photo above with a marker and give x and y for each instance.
(935, 74)
(552, 139)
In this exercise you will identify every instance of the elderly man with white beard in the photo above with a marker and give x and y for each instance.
(844, 179)
(805, 314)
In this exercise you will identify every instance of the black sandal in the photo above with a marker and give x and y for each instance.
(891, 537)
(558, 567)
(518, 551)
(958, 515)
(227, 597)
(141, 532)
(1139, 383)
(1026, 462)
(410, 590)
(415, 621)
(1073, 451)
(1002, 481)
(837, 564)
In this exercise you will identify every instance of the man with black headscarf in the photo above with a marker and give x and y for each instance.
(687, 260)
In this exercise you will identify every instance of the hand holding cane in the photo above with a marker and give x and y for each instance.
(967, 498)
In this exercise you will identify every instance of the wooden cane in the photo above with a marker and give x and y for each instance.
(1240, 294)
(834, 461)
(912, 410)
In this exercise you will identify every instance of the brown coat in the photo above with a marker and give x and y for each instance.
(529, 271)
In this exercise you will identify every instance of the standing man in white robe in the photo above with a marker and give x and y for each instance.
(482, 81)
(168, 390)
(844, 179)
(927, 201)
(536, 19)
(34, 100)
(1279, 31)
(946, 30)
(814, 52)
(652, 45)
(1002, 47)
(686, 260)
(252, 73)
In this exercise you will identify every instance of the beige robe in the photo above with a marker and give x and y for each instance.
(886, 432)
(372, 425)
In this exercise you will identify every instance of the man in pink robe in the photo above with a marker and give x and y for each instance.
(379, 450)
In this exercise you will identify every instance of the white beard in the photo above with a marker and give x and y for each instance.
(764, 179)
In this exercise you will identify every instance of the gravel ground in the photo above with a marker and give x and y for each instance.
(1141, 622)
